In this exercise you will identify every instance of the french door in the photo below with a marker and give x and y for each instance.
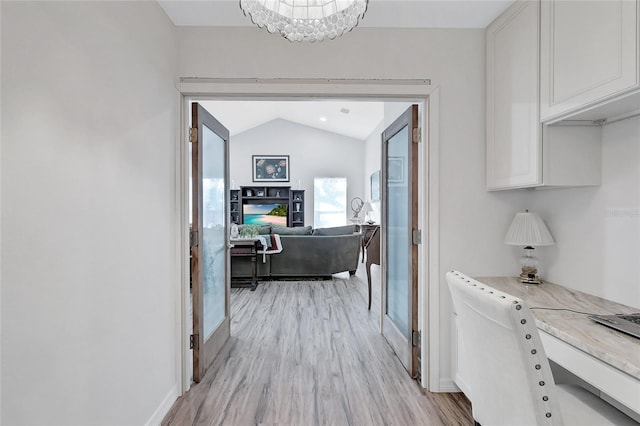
(399, 237)
(209, 250)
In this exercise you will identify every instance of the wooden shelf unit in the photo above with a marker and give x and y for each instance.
(234, 206)
(263, 194)
(296, 209)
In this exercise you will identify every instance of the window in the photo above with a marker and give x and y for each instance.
(329, 202)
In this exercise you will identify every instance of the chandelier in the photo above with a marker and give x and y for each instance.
(305, 20)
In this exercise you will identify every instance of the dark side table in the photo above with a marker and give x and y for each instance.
(246, 247)
(370, 244)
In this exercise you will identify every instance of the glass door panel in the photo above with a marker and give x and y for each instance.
(213, 235)
(399, 221)
(398, 232)
(209, 252)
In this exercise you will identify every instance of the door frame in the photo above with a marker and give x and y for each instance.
(252, 89)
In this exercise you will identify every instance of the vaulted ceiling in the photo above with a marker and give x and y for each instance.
(353, 119)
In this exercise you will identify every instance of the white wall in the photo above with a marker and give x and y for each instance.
(597, 230)
(473, 221)
(312, 153)
(373, 158)
(89, 275)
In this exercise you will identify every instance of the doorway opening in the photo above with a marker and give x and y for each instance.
(425, 96)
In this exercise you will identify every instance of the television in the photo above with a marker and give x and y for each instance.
(264, 214)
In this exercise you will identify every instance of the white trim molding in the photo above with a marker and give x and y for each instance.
(299, 89)
(164, 407)
(449, 386)
(183, 159)
(431, 205)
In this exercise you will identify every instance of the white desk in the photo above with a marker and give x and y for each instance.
(606, 359)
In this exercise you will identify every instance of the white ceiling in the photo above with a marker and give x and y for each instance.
(380, 13)
(363, 117)
(359, 122)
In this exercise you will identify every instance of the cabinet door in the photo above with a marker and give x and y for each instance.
(588, 53)
(513, 129)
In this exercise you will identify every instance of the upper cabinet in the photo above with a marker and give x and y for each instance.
(589, 54)
(521, 151)
(513, 132)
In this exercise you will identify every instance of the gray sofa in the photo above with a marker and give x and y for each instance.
(306, 253)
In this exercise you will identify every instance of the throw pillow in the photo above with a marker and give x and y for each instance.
(285, 230)
(264, 229)
(336, 230)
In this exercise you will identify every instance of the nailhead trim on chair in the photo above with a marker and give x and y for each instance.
(528, 340)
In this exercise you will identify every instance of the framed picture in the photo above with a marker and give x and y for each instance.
(375, 186)
(270, 168)
(396, 169)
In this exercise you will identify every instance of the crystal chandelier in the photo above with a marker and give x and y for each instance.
(305, 20)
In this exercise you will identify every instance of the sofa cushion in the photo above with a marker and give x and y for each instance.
(264, 229)
(336, 230)
(285, 230)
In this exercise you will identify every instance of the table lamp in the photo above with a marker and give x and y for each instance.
(528, 229)
(366, 209)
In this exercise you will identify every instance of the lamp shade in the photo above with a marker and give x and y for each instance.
(367, 208)
(528, 229)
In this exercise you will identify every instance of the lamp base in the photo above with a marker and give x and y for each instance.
(527, 280)
(529, 265)
(529, 276)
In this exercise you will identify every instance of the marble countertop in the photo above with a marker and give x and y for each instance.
(610, 346)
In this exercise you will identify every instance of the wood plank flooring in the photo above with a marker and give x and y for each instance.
(310, 353)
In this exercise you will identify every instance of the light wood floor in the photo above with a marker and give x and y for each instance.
(310, 353)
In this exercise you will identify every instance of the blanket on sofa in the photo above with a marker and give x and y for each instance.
(272, 244)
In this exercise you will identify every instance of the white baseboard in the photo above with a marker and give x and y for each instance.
(164, 407)
(448, 385)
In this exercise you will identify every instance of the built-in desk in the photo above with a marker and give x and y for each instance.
(606, 359)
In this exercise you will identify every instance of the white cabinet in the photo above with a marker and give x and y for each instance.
(513, 133)
(589, 53)
(521, 152)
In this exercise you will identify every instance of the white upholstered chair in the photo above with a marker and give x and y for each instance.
(510, 379)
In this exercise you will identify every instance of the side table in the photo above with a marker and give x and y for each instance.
(367, 229)
(370, 243)
(246, 247)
